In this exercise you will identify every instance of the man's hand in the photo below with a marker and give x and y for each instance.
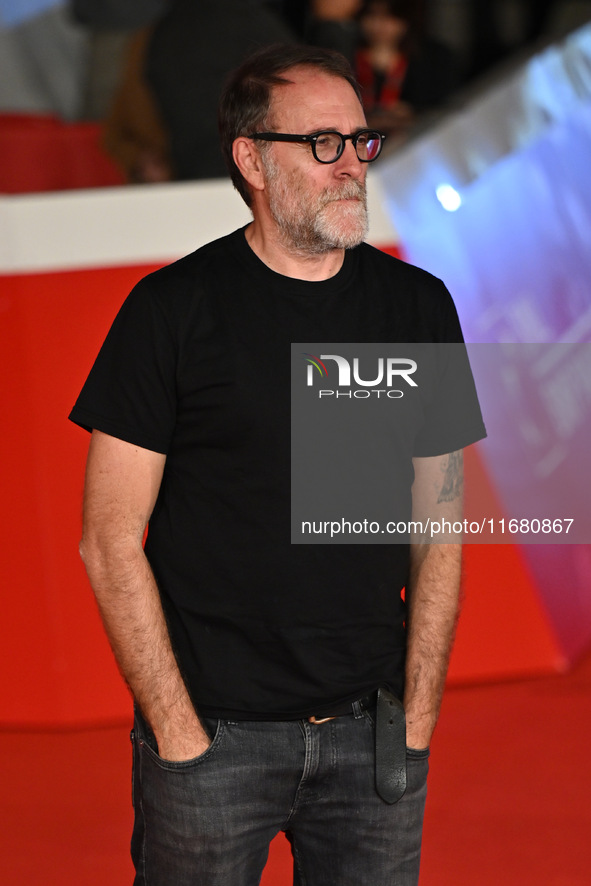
(182, 747)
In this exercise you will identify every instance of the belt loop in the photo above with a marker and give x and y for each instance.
(357, 711)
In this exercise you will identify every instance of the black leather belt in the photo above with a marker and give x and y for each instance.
(390, 755)
(390, 747)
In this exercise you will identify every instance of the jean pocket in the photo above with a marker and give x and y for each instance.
(215, 728)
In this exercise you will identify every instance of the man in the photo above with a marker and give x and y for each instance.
(254, 663)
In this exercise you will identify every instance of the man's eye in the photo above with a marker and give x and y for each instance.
(323, 140)
(362, 140)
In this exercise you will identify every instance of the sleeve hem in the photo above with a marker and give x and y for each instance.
(90, 421)
(472, 435)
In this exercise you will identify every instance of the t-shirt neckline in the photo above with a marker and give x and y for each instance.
(270, 278)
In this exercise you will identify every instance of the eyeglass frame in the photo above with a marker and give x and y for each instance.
(313, 138)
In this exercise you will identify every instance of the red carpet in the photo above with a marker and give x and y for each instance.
(509, 801)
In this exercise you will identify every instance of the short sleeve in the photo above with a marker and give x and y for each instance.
(453, 415)
(453, 418)
(130, 392)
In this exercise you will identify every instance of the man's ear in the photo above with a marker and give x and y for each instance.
(248, 160)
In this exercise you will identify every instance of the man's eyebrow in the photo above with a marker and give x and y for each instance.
(334, 129)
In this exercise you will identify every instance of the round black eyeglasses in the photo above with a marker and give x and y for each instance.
(328, 145)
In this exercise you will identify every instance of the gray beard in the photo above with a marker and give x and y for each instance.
(320, 227)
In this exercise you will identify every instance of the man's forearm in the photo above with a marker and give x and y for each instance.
(432, 607)
(129, 603)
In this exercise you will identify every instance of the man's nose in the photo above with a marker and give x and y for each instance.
(349, 163)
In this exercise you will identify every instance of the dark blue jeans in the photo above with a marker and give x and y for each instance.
(209, 821)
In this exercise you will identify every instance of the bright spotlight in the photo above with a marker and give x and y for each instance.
(448, 197)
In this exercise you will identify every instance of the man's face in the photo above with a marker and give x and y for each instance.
(381, 28)
(316, 207)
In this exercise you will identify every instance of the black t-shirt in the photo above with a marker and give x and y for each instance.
(197, 366)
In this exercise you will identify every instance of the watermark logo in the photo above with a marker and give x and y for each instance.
(388, 371)
(315, 363)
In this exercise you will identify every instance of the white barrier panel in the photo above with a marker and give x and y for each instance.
(132, 225)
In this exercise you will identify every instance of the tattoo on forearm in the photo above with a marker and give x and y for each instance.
(453, 481)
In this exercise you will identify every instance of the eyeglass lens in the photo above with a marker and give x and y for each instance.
(329, 146)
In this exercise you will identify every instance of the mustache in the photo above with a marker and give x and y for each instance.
(351, 190)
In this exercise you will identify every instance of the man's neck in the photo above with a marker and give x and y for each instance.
(290, 262)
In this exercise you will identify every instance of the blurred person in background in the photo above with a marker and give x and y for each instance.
(331, 23)
(401, 72)
(135, 134)
(110, 26)
(163, 122)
